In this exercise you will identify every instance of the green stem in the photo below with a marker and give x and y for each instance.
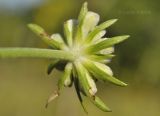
(35, 53)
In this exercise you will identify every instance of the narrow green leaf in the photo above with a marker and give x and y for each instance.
(99, 103)
(106, 43)
(52, 66)
(102, 72)
(44, 36)
(100, 28)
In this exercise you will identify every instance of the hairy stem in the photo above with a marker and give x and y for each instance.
(35, 53)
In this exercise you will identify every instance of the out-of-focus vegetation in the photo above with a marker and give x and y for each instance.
(25, 86)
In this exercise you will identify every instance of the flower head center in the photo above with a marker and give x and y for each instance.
(77, 51)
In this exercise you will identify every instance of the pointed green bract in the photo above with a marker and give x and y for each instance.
(68, 70)
(100, 57)
(86, 80)
(98, 36)
(104, 68)
(82, 77)
(102, 73)
(65, 80)
(83, 12)
(107, 51)
(76, 84)
(90, 21)
(92, 85)
(44, 36)
(37, 29)
(100, 28)
(106, 43)
(99, 103)
(58, 38)
(81, 17)
(69, 30)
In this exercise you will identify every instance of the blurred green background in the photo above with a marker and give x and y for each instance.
(25, 86)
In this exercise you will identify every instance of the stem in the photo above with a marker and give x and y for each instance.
(35, 53)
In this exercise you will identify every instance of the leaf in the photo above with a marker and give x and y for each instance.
(52, 66)
(99, 103)
(102, 72)
(106, 43)
(100, 28)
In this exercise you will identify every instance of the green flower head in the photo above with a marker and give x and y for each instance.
(91, 52)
